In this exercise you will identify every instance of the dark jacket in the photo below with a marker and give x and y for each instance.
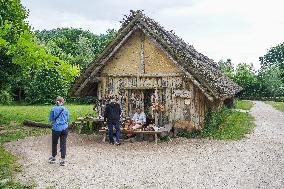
(112, 112)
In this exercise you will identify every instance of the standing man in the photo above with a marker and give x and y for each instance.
(112, 116)
(59, 117)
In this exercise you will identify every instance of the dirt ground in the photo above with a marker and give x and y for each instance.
(254, 162)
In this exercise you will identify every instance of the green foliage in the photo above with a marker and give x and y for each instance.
(12, 24)
(271, 72)
(243, 104)
(5, 97)
(271, 83)
(45, 85)
(227, 67)
(6, 162)
(234, 127)
(14, 13)
(83, 100)
(87, 128)
(224, 125)
(274, 58)
(76, 46)
(44, 75)
(23, 59)
(11, 184)
(246, 77)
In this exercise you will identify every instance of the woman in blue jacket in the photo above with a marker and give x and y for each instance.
(59, 117)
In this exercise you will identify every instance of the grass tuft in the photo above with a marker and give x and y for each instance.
(243, 104)
(277, 105)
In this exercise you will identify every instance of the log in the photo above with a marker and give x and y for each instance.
(30, 123)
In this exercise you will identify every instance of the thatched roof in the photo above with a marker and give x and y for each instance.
(204, 72)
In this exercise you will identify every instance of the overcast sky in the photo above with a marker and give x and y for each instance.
(241, 30)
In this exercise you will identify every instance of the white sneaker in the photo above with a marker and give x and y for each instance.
(51, 160)
(62, 162)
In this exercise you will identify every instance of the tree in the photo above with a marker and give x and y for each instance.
(227, 67)
(23, 59)
(274, 57)
(76, 46)
(271, 84)
(12, 24)
(246, 76)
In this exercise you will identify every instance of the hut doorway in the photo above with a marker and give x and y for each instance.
(141, 98)
(148, 103)
(144, 98)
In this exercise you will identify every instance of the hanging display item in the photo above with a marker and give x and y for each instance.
(156, 105)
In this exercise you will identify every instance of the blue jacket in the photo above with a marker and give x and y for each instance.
(62, 114)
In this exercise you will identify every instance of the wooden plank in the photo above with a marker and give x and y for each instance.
(133, 132)
(156, 74)
(142, 63)
(142, 88)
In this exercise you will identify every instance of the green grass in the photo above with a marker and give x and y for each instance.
(243, 104)
(11, 129)
(235, 126)
(276, 105)
(40, 113)
(224, 125)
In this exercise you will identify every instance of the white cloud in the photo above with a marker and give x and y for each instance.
(53, 19)
(241, 30)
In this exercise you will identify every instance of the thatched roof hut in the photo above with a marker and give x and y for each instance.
(183, 80)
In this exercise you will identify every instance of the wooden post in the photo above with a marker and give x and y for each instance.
(142, 65)
(156, 138)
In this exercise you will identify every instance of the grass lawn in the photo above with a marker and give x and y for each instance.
(277, 105)
(11, 129)
(39, 113)
(243, 104)
(227, 124)
(234, 127)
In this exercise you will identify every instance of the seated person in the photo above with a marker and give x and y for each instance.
(139, 119)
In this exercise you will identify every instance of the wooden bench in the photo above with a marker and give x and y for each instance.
(123, 131)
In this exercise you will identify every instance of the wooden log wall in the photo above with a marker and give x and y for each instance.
(181, 99)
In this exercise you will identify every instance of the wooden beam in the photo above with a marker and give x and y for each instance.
(142, 88)
(144, 75)
(142, 65)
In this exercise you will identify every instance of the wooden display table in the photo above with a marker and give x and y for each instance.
(124, 131)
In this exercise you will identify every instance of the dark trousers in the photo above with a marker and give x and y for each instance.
(116, 125)
(62, 135)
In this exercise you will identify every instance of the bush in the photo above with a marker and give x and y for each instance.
(224, 125)
(5, 97)
(213, 121)
(82, 100)
(45, 85)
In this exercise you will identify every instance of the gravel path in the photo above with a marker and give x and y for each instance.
(254, 162)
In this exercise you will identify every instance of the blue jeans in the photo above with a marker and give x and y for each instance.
(116, 125)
